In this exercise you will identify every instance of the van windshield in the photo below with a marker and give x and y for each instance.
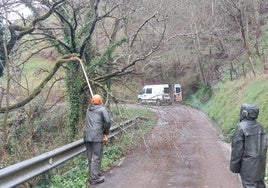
(142, 91)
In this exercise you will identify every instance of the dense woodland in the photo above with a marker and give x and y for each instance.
(123, 45)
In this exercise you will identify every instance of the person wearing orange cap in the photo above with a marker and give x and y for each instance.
(96, 129)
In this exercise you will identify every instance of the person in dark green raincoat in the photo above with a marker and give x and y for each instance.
(249, 148)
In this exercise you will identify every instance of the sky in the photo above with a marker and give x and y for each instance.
(21, 9)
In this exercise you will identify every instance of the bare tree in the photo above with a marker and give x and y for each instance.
(257, 7)
(244, 16)
(67, 29)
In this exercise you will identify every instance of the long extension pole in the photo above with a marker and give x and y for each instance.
(85, 74)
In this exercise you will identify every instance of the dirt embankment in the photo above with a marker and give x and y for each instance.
(183, 151)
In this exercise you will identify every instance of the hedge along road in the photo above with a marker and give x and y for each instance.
(184, 150)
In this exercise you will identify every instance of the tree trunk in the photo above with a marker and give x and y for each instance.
(5, 122)
(243, 23)
(2, 51)
(197, 43)
(258, 34)
(74, 88)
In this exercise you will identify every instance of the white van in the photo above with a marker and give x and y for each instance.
(159, 94)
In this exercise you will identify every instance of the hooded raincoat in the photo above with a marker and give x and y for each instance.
(249, 147)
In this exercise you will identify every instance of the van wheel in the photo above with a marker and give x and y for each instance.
(139, 101)
(158, 103)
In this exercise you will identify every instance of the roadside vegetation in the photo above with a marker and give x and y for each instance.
(75, 172)
(224, 105)
(52, 132)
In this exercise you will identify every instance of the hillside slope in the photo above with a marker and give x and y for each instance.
(227, 98)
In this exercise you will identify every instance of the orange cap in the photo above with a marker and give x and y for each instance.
(96, 99)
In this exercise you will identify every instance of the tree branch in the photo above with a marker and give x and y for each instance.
(27, 30)
(139, 29)
(39, 88)
(92, 26)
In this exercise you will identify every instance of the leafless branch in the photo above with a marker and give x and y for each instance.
(133, 38)
(39, 88)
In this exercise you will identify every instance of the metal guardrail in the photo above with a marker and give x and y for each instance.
(20, 172)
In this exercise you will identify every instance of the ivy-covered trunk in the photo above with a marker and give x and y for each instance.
(74, 87)
(2, 53)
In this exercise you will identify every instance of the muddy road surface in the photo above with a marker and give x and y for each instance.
(184, 150)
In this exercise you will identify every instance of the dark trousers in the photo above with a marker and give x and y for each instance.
(252, 184)
(94, 156)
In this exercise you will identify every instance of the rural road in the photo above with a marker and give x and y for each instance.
(184, 150)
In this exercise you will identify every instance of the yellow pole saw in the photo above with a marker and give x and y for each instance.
(85, 74)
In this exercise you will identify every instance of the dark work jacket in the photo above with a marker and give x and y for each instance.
(97, 123)
(249, 147)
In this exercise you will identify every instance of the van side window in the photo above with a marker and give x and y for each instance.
(149, 91)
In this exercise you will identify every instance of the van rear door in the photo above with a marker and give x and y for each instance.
(177, 93)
